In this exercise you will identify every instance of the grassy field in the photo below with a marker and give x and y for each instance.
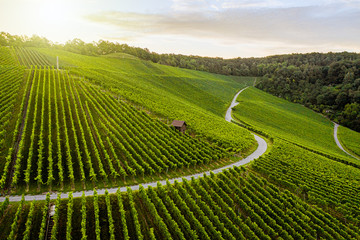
(349, 139)
(293, 122)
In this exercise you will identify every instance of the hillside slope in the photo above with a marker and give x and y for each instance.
(289, 121)
(199, 98)
(305, 158)
(95, 123)
(350, 139)
(78, 130)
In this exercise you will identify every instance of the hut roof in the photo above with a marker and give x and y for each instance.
(177, 123)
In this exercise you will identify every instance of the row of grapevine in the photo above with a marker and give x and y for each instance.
(66, 139)
(134, 215)
(59, 153)
(55, 230)
(69, 217)
(110, 217)
(234, 204)
(3, 206)
(315, 178)
(50, 159)
(15, 224)
(44, 218)
(96, 214)
(33, 94)
(41, 142)
(29, 220)
(122, 212)
(83, 217)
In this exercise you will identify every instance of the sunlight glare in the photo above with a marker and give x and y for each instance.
(53, 13)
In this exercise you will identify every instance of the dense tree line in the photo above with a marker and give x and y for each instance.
(328, 83)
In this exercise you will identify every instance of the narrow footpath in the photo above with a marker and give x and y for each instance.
(261, 149)
(336, 126)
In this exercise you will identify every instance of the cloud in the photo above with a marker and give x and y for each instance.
(300, 27)
(250, 4)
(189, 5)
(226, 4)
(213, 6)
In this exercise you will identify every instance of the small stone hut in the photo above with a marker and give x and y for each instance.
(179, 125)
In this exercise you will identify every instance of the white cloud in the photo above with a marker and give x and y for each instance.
(331, 27)
(189, 5)
(250, 4)
(213, 6)
(233, 4)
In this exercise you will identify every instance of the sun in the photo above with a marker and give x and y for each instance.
(54, 13)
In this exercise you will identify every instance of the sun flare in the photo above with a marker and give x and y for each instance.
(53, 14)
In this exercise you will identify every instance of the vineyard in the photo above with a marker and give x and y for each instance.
(11, 79)
(70, 133)
(318, 179)
(28, 57)
(6, 56)
(104, 122)
(300, 160)
(75, 132)
(200, 98)
(230, 205)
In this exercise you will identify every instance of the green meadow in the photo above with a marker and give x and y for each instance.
(349, 139)
(289, 121)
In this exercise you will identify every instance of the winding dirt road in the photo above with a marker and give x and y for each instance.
(261, 149)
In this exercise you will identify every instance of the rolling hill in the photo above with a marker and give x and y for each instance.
(304, 158)
(97, 136)
(104, 121)
(288, 121)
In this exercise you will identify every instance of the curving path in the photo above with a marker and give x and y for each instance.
(261, 149)
(336, 126)
(233, 104)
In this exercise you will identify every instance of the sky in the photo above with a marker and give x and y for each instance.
(214, 28)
